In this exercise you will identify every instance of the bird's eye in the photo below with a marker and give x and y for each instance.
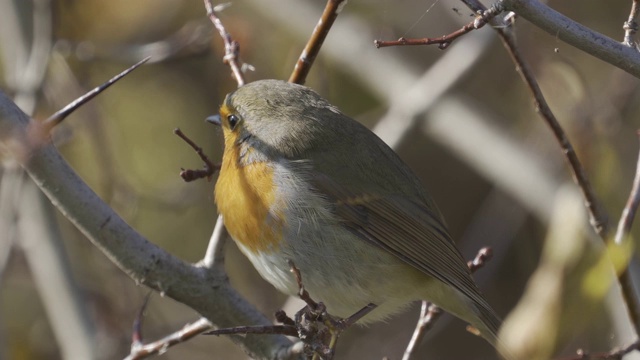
(233, 120)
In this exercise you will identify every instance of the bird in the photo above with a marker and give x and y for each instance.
(300, 182)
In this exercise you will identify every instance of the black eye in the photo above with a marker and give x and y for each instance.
(233, 120)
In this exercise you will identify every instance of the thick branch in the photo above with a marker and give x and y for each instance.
(204, 290)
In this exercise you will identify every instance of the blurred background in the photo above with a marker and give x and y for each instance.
(461, 118)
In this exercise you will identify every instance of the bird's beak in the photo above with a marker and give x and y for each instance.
(214, 119)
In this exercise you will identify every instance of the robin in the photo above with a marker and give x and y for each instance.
(300, 181)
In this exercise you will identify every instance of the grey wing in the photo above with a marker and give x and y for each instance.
(408, 230)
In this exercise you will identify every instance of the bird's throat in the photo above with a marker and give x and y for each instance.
(245, 196)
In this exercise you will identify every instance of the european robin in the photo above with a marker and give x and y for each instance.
(301, 181)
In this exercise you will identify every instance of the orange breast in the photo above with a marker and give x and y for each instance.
(244, 196)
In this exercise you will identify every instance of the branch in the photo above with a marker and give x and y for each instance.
(597, 216)
(575, 34)
(629, 212)
(622, 235)
(446, 40)
(146, 263)
(141, 351)
(231, 47)
(615, 354)
(209, 167)
(311, 50)
(631, 25)
(62, 114)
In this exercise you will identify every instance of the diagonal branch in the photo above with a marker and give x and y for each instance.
(311, 50)
(62, 114)
(146, 263)
(629, 212)
(575, 34)
(597, 216)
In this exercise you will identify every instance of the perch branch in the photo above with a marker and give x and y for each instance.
(146, 263)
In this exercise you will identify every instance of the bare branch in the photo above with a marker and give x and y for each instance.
(429, 313)
(311, 50)
(209, 167)
(615, 354)
(231, 47)
(194, 286)
(262, 330)
(215, 255)
(622, 234)
(597, 216)
(446, 40)
(62, 114)
(575, 34)
(141, 351)
(629, 212)
(631, 25)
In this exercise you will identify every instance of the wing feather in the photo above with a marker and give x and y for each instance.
(409, 230)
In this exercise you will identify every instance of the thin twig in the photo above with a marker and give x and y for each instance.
(311, 50)
(430, 312)
(631, 25)
(597, 216)
(629, 212)
(136, 335)
(209, 167)
(444, 41)
(358, 315)
(141, 351)
(615, 354)
(231, 47)
(302, 292)
(215, 255)
(622, 234)
(62, 114)
(261, 330)
(482, 257)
